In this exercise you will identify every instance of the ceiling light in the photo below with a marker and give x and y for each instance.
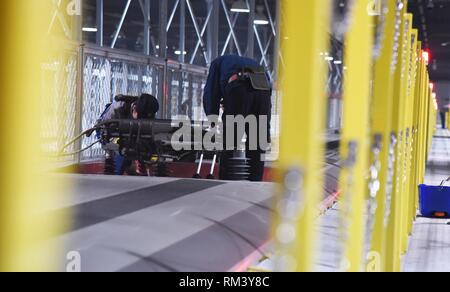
(260, 17)
(178, 52)
(90, 29)
(240, 6)
(338, 62)
(90, 25)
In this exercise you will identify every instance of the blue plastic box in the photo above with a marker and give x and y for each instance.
(434, 201)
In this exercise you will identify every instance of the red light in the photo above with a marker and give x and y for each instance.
(440, 214)
(426, 57)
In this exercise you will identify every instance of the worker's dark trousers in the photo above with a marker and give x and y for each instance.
(242, 100)
(443, 116)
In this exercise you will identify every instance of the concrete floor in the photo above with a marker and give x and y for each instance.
(429, 248)
(167, 224)
(159, 224)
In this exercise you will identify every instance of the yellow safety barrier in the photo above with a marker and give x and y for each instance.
(304, 27)
(387, 129)
(409, 110)
(382, 137)
(354, 140)
(392, 259)
(388, 123)
(448, 120)
(415, 167)
(25, 190)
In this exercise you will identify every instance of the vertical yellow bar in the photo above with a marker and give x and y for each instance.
(415, 177)
(403, 114)
(394, 230)
(409, 110)
(421, 133)
(355, 135)
(382, 128)
(423, 127)
(25, 190)
(431, 120)
(448, 120)
(304, 36)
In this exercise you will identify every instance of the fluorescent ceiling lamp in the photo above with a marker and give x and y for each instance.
(260, 17)
(90, 25)
(337, 62)
(240, 6)
(90, 29)
(178, 52)
(329, 59)
(261, 22)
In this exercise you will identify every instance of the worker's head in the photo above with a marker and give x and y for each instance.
(145, 107)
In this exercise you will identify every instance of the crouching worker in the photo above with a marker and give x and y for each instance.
(243, 88)
(144, 107)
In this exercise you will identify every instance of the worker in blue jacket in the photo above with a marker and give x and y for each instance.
(143, 107)
(241, 86)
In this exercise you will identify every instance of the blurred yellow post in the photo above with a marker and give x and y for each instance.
(412, 183)
(355, 135)
(424, 119)
(304, 40)
(381, 122)
(25, 189)
(448, 120)
(415, 169)
(392, 256)
(409, 110)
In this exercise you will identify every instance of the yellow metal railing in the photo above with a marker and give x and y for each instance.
(388, 123)
(304, 36)
(354, 140)
(26, 191)
(382, 136)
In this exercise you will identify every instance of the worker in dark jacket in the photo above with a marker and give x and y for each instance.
(243, 88)
(143, 107)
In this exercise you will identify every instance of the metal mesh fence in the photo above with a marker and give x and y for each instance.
(186, 95)
(97, 93)
(103, 79)
(59, 103)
